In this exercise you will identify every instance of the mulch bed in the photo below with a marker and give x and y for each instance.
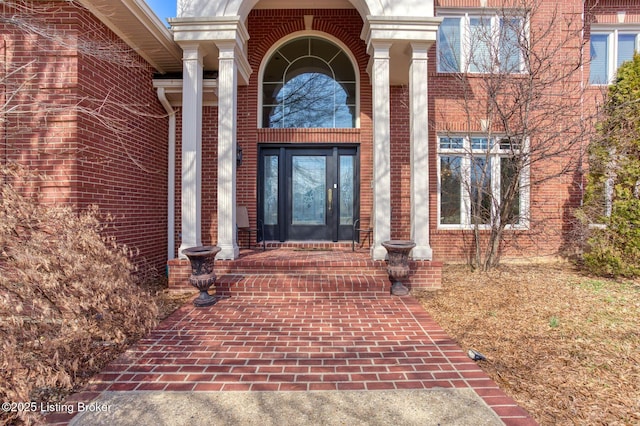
(565, 346)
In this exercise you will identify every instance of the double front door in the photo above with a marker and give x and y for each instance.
(308, 193)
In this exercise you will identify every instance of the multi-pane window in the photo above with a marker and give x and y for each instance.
(309, 82)
(608, 50)
(481, 44)
(480, 176)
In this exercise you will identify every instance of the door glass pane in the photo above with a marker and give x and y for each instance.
(450, 184)
(346, 190)
(270, 205)
(309, 189)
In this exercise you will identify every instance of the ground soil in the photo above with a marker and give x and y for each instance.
(564, 345)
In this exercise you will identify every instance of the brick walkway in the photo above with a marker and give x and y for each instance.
(253, 344)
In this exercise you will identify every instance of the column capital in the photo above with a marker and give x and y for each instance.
(379, 49)
(400, 28)
(420, 50)
(209, 29)
(193, 52)
(227, 33)
(229, 50)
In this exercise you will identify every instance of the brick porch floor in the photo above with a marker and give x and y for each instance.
(257, 344)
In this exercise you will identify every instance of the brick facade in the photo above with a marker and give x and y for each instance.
(90, 119)
(551, 202)
(95, 126)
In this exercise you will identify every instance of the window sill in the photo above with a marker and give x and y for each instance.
(485, 228)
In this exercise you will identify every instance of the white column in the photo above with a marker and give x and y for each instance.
(419, 119)
(191, 147)
(381, 149)
(227, 126)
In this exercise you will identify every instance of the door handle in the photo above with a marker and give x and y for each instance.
(330, 198)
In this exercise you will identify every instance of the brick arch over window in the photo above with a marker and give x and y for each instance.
(323, 22)
(242, 8)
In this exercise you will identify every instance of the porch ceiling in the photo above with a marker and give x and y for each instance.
(173, 90)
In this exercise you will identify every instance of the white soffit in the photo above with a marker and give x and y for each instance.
(136, 24)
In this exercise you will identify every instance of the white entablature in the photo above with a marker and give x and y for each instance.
(200, 8)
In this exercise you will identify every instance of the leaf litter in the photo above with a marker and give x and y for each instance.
(564, 345)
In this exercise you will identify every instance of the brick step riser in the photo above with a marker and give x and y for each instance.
(306, 279)
(300, 286)
(307, 270)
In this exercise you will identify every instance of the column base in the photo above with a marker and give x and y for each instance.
(422, 253)
(184, 246)
(228, 252)
(378, 252)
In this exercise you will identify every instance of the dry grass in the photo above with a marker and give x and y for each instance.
(167, 301)
(565, 346)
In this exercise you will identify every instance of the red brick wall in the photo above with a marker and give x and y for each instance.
(210, 175)
(123, 166)
(97, 129)
(39, 81)
(553, 201)
(400, 164)
(550, 202)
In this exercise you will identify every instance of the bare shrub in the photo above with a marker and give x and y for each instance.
(68, 297)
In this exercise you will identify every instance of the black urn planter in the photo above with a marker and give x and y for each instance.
(398, 264)
(202, 274)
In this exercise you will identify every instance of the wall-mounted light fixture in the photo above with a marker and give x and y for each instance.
(239, 156)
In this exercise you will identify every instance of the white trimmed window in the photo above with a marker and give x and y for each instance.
(474, 175)
(482, 43)
(608, 50)
(309, 82)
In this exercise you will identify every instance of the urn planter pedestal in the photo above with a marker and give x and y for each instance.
(202, 273)
(398, 264)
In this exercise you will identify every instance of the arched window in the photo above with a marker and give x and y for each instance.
(309, 82)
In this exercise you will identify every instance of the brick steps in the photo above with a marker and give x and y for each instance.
(302, 285)
(294, 273)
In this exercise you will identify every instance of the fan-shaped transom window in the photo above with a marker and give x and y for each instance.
(309, 82)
